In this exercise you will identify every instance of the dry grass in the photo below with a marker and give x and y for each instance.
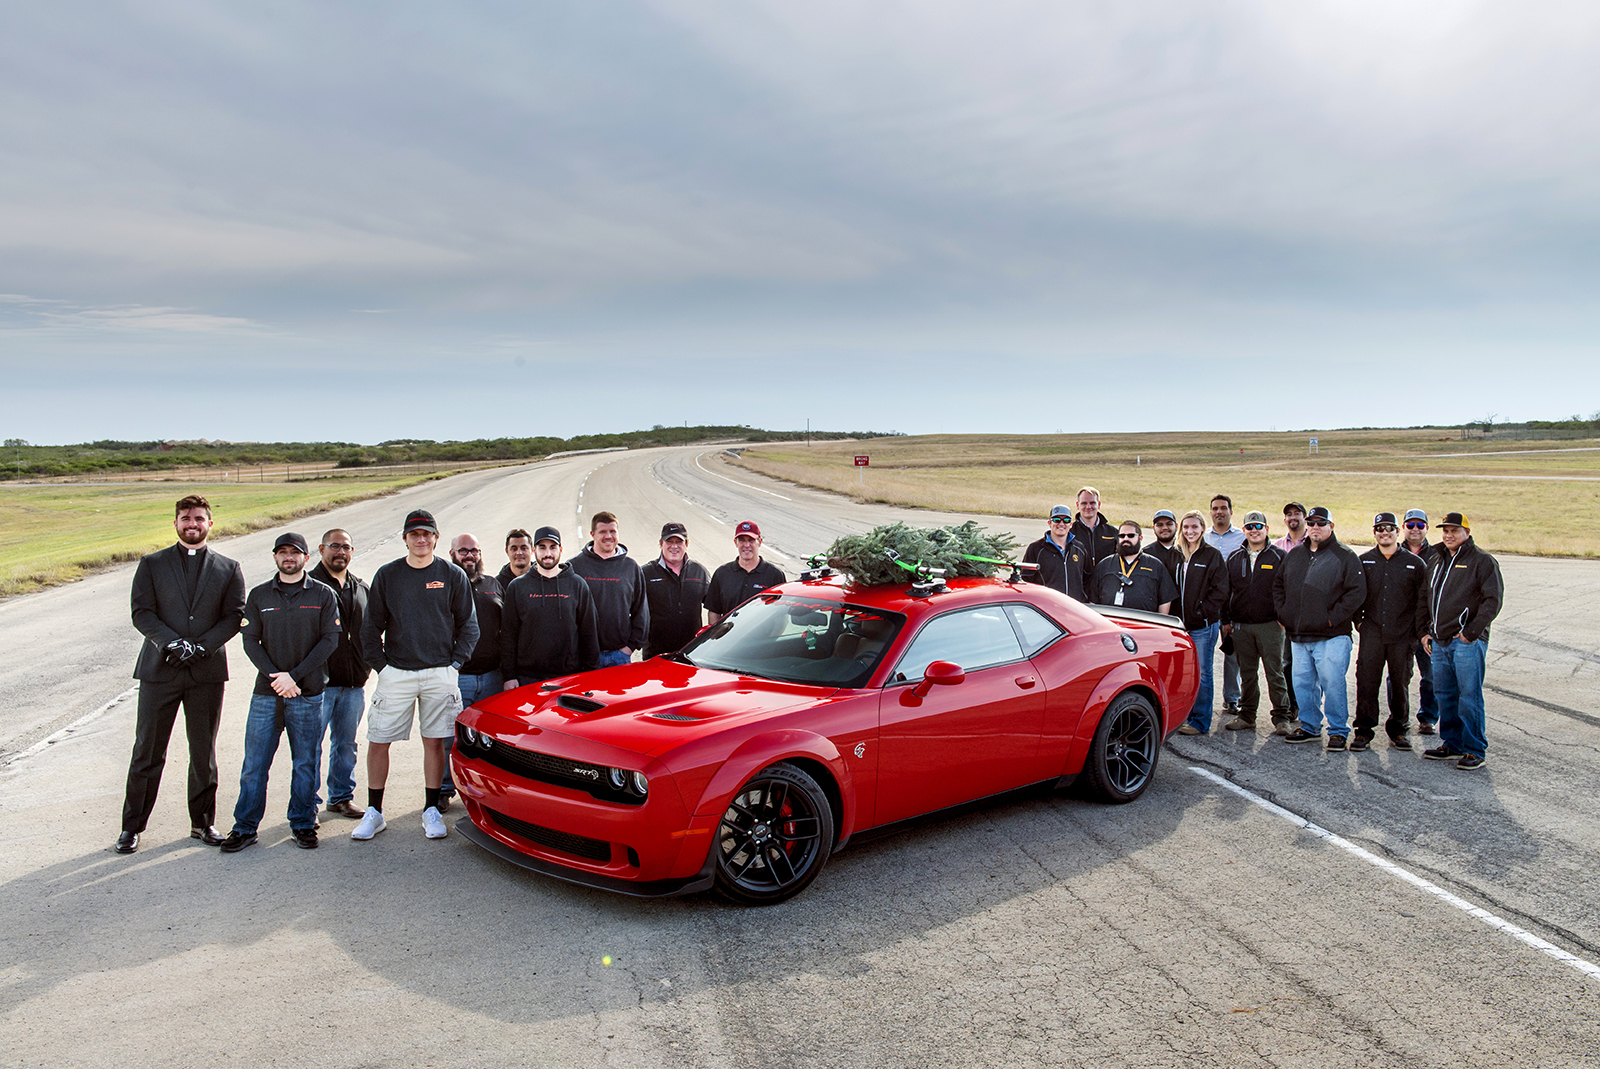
(55, 534)
(1536, 503)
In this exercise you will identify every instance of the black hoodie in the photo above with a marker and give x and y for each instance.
(547, 627)
(622, 616)
(1317, 595)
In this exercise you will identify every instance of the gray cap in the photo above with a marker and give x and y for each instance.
(1255, 517)
(1164, 514)
(1416, 514)
(1060, 512)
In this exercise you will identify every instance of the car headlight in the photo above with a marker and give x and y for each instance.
(469, 735)
(619, 778)
(641, 784)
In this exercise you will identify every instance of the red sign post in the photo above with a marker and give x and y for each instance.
(861, 464)
(861, 461)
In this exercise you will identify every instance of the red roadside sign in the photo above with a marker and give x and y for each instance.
(861, 461)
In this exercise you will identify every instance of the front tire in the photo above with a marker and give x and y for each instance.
(1122, 758)
(775, 836)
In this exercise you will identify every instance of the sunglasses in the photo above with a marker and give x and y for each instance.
(1384, 528)
(1316, 523)
(1127, 538)
(1416, 525)
(1059, 519)
(1255, 527)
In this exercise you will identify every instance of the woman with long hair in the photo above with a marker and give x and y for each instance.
(1202, 592)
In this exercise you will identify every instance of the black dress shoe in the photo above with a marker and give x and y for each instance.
(127, 842)
(208, 836)
(236, 842)
(304, 838)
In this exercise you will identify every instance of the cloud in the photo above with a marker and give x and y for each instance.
(48, 314)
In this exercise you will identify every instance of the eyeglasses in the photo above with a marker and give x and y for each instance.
(1316, 523)
(336, 546)
(1416, 525)
(1384, 528)
(466, 553)
(1255, 527)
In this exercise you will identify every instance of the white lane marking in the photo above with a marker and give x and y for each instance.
(1522, 935)
(736, 482)
(51, 740)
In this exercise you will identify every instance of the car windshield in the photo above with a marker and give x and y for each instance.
(797, 640)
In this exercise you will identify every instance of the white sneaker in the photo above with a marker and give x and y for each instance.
(372, 823)
(433, 823)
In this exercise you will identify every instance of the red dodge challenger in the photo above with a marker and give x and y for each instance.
(815, 712)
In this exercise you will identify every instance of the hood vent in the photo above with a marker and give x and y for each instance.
(674, 716)
(579, 705)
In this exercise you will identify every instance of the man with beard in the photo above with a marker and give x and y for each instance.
(548, 626)
(186, 603)
(519, 557)
(1317, 595)
(622, 616)
(675, 588)
(480, 676)
(1063, 561)
(1164, 548)
(1251, 619)
(1131, 579)
(1393, 618)
(1416, 524)
(344, 699)
(1465, 593)
(1099, 538)
(291, 627)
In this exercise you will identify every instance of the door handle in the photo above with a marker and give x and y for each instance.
(1026, 681)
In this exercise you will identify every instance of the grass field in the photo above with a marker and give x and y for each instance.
(54, 534)
(1536, 497)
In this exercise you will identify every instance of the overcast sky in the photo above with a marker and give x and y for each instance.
(380, 220)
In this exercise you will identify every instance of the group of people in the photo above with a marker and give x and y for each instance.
(440, 634)
(1287, 608)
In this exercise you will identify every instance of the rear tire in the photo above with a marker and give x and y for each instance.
(1122, 758)
(775, 836)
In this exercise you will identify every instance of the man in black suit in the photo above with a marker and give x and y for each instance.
(187, 602)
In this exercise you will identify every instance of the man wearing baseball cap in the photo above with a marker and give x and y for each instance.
(1062, 559)
(1464, 594)
(1394, 616)
(420, 628)
(1416, 541)
(291, 628)
(1251, 619)
(744, 576)
(548, 625)
(1165, 549)
(1317, 595)
(675, 589)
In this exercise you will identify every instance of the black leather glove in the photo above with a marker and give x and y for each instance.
(200, 652)
(178, 652)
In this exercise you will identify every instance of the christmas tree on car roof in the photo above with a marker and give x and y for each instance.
(963, 550)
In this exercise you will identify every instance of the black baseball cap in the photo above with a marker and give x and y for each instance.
(1294, 505)
(547, 534)
(674, 530)
(1455, 519)
(420, 520)
(289, 538)
(1319, 513)
(1385, 518)
(1164, 514)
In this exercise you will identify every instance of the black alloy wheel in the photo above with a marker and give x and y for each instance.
(1122, 759)
(774, 837)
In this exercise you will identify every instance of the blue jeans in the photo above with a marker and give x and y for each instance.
(1230, 678)
(1428, 707)
(1321, 670)
(472, 689)
(1205, 648)
(341, 716)
(302, 719)
(1458, 688)
(611, 657)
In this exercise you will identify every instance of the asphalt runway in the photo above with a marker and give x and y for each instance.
(1428, 917)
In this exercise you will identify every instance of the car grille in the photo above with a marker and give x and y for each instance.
(566, 842)
(563, 772)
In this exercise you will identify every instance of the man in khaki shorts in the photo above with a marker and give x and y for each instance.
(419, 630)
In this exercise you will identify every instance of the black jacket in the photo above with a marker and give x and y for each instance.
(291, 628)
(547, 626)
(163, 611)
(1100, 540)
(676, 600)
(1059, 569)
(1171, 556)
(1396, 609)
(1250, 590)
(1428, 552)
(1464, 592)
(1317, 595)
(487, 602)
(348, 665)
(622, 617)
(1202, 588)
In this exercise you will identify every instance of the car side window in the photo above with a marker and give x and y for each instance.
(972, 638)
(1037, 629)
